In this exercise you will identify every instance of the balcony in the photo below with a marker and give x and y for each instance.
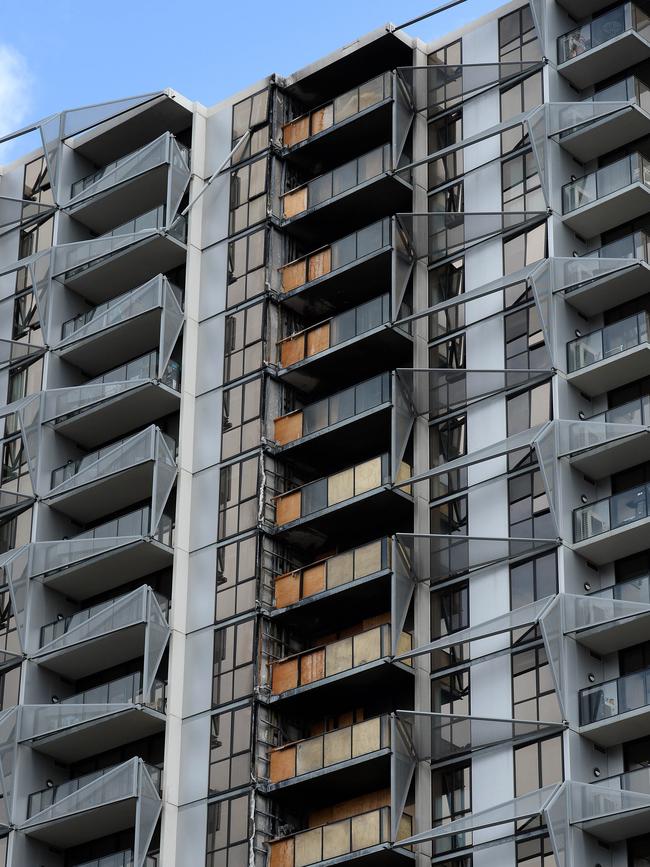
(130, 185)
(599, 127)
(361, 578)
(336, 672)
(124, 858)
(593, 292)
(607, 197)
(359, 341)
(359, 497)
(342, 199)
(364, 838)
(348, 268)
(612, 356)
(613, 41)
(96, 805)
(617, 710)
(338, 125)
(613, 527)
(96, 720)
(110, 555)
(113, 478)
(352, 759)
(355, 421)
(79, 645)
(110, 406)
(127, 325)
(624, 816)
(608, 457)
(101, 268)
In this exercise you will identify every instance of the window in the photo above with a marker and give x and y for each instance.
(529, 511)
(236, 578)
(524, 249)
(522, 189)
(248, 195)
(535, 852)
(228, 833)
(525, 346)
(451, 794)
(445, 90)
(446, 282)
(234, 655)
(251, 114)
(533, 692)
(538, 765)
(246, 268)
(241, 428)
(533, 579)
(518, 37)
(444, 132)
(521, 97)
(244, 342)
(447, 441)
(450, 694)
(36, 235)
(449, 518)
(230, 749)
(448, 353)
(449, 200)
(238, 497)
(449, 613)
(524, 411)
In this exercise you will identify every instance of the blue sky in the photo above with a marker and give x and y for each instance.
(65, 53)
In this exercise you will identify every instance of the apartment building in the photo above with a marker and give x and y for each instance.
(325, 479)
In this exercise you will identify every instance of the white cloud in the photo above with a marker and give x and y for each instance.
(16, 83)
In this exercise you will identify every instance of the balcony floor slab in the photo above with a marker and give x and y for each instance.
(610, 290)
(609, 211)
(609, 458)
(614, 544)
(606, 134)
(611, 637)
(618, 369)
(86, 825)
(618, 826)
(90, 655)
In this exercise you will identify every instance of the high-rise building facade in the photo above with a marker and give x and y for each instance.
(325, 479)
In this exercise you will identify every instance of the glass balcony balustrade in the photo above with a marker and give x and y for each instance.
(632, 590)
(329, 749)
(132, 524)
(336, 658)
(614, 697)
(636, 245)
(337, 255)
(339, 329)
(125, 858)
(336, 182)
(332, 490)
(118, 309)
(73, 259)
(611, 513)
(133, 163)
(633, 168)
(336, 571)
(116, 614)
(339, 407)
(337, 839)
(633, 412)
(607, 342)
(123, 690)
(41, 800)
(127, 452)
(602, 29)
(637, 780)
(339, 110)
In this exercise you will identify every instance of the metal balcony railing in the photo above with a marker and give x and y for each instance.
(337, 839)
(607, 342)
(336, 255)
(614, 697)
(160, 144)
(78, 322)
(342, 108)
(333, 572)
(340, 656)
(59, 627)
(44, 798)
(123, 690)
(601, 29)
(130, 456)
(630, 169)
(336, 182)
(332, 410)
(612, 512)
(135, 523)
(339, 329)
(330, 748)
